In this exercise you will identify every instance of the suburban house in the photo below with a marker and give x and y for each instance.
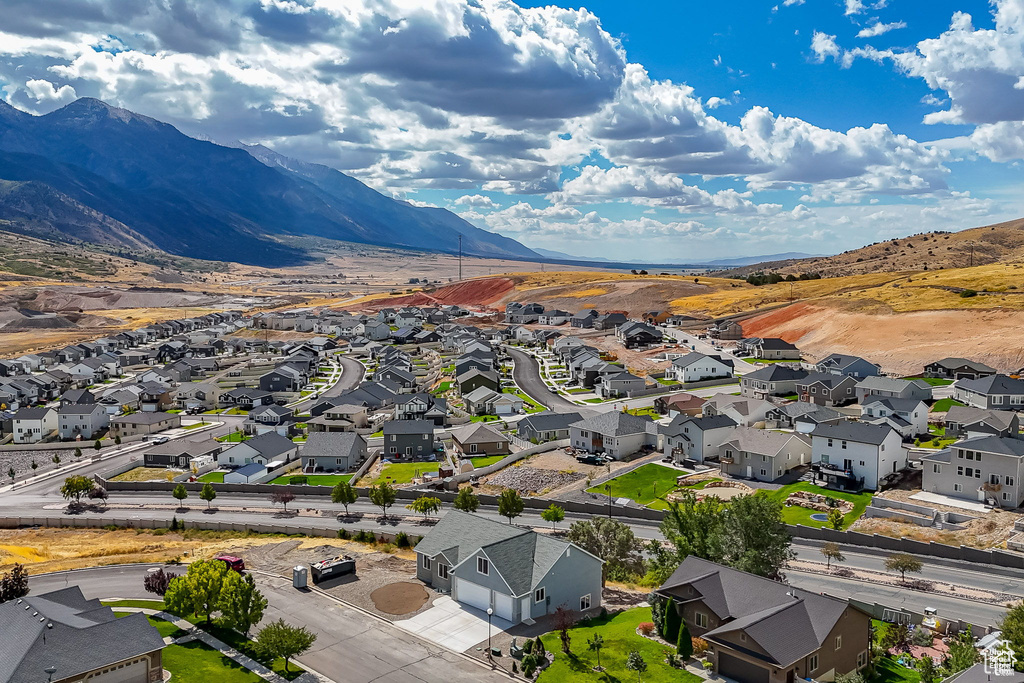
(764, 631)
(801, 417)
(615, 434)
(729, 329)
(30, 425)
(991, 392)
(82, 421)
(421, 407)
(197, 396)
(554, 317)
(143, 423)
(981, 469)
(179, 454)
(696, 438)
(253, 473)
(516, 572)
(546, 426)
(634, 334)
(609, 321)
(475, 378)
(762, 454)
(332, 451)
(773, 380)
(957, 368)
(851, 366)
(344, 417)
(965, 421)
(479, 439)
(907, 416)
(680, 404)
(264, 449)
(584, 318)
(742, 410)
(891, 387)
(773, 348)
(484, 401)
(282, 378)
(271, 418)
(246, 398)
(407, 438)
(81, 640)
(618, 384)
(698, 367)
(827, 389)
(856, 455)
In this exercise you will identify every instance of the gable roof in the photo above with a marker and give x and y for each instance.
(334, 445)
(695, 357)
(760, 441)
(614, 423)
(967, 415)
(993, 384)
(408, 427)
(549, 421)
(269, 445)
(477, 432)
(894, 384)
(776, 373)
(993, 444)
(860, 432)
(954, 363)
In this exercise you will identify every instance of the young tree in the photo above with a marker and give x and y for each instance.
(684, 643)
(383, 495)
(832, 553)
(694, 527)
(510, 504)
(466, 500)
(158, 581)
(564, 620)
(594, 645)
(14, 584)
(117, 440)
(929, 672)
(962, 652)
(898, 637)
(903, 563)
(56, 459)
(635, 662)
(199, 590)
(553, 514)
(283, 497)
(11, 473)
(181, 493)
(344, 493)
(242, 604)
(78, 452)
(279, 639)
(34, 465)
(755, 538)
(1012, 626)
(836, 519)
(207, 494)
(75, 487)
(425, 505)
(612, 541)
(97, 445)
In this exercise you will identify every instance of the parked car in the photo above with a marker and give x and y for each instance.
(236, 563)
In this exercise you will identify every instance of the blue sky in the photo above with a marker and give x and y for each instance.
(652, 131)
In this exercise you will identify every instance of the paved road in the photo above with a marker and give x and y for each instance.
(352, 646)
(527, 375)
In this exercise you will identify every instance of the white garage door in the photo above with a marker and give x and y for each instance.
(503, 606)
(472, 594)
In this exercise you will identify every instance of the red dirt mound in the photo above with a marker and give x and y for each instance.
(768, 324)
(469, 293)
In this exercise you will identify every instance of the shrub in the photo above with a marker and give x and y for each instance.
(528, 647)
(672, 622)
(646, 628)
(402, 540)
(700, 646)
(364, 536)
(530, 663)
(968, 293)
(538, 648)
(343, 534)
(298, 480)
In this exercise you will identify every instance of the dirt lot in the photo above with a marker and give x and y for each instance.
(549, 473)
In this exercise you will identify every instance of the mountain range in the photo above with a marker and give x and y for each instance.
(95, 173)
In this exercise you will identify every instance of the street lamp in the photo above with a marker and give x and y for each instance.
(608, 492)
(489, 613)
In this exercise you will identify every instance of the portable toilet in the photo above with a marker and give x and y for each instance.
(299, 577)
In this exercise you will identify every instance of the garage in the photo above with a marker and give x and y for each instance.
(741, 670)
(472, 595)
(503, 606)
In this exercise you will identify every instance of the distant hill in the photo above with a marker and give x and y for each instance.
(750, 260)
(96, 173)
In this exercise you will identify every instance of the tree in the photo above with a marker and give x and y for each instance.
(158, 582)
(56, 459)
(383, 495)
(34, 465)
(962, 652)
(612, 541)
(242, 605)
(99, 493)
(1012, 626)
(564, 620)
(553, 514)
(207, 494)
(684, 643)
(14, 584)
(11, 473)
(897, 637)
(181, 493)
(754, 537)
(671, 622)
(97, 445)
(279, 639)
(635, 662)
(694, 527)
(117, 440)
(284, 496)
(510, 504)
(199, 590)
(903, 563)
(75, 487)
(344, 493)
(832, 553)
(836, 519)
(594, 645)
(466, 500)
(78, 452)
(425, 505)
(929, 672)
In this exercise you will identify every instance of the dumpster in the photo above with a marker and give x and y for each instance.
(328, 569)
(299, 577)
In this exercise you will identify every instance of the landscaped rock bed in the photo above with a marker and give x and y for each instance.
(815, 501)
(532, 480)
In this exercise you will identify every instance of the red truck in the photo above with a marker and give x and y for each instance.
(236, 563)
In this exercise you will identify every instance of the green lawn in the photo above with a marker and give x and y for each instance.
(619, 633)
(795, 514)
(142, 604)
(404, 472)
(936, 442)
(314, 479)
(165, 628)
(593, 400)
(485, 460)
(233, 437)
(237, 411)
(579, 390)
(666, 381)
(530, 405)
(644, 484)
(644, 411)
(196, 425)
(212, 477)
(944, 404)
(484, 418)
(934, 381)
(442, 388)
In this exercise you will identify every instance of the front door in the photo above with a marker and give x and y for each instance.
(847, 464)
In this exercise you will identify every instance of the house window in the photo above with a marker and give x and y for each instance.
(426, 563)
(394, 437)
(394, 449)
(960, 471)
(977, 473)
(936, 469)
(862, 659)
(839, 642)
(764, 473)
(539, 594)
(844, 445)
(483, 566)
(993, 479)
(958, 488)
(472, 448)
(1009, 481)
(812, 664)
(442, 570)
(585, 602)
(700, 619)
(1006, 495)
(425, 437)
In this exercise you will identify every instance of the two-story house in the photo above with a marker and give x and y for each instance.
(698, 367)
(30, 425)
(856, 455)
(82, 421)
(981, 469)
(762, 454)
(965, 421)
(992, 392)
(907, 416)
(844, 364)
(957, 368)
(773, 380)
(892, 387)
(613, 433)
(827, 389)
(408, 438)
(696, 438)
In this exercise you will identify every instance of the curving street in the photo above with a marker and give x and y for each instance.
(526, 374)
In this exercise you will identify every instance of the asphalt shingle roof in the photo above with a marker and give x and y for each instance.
(993, 384)
(614, 424)
(333, 445)
(860, 432)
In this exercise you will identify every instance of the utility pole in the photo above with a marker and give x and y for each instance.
(460, 258)
(972, 255)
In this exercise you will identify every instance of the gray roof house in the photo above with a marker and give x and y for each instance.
(81, 420)
(546, 426)
(332, 451)
(907, 416)
(994, 392)
(765, 631)
(517, 573)
(613, 433)
(696, 438)
(851, 366)
(773, 380)
(957, 368)
(79, 638)
(263, 449)
(827, 389)
(964, 421)
(408, 438)
(986, 469)
(856, 455)
(762, 454)
(801, 416)
(891, 387)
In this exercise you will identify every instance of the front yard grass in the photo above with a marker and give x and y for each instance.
(314, 479)
(195, 425)
(944, 404)
(666, 381)
(485, 460)
(796, 514)
(934, 381)
(644, 485)
(233, 437)
(212, 477)
(645, 411)
(620, 637)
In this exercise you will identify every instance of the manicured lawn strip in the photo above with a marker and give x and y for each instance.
(936, 443)
(197, 425)
(579, 390)
(485, 460)
(197, 662)
(795, 514)
(934, 381)
(405, 472)
(484, 418)
(619, 633)
(644, 484)
(645, 411)
(944, 404)
(141, 604)
(442, 388)
(593, 400)
(233, 437)
(212, 477)
(248, 647)
(666, 381)
(314, 479)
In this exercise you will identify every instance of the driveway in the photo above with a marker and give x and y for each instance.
(452, 625)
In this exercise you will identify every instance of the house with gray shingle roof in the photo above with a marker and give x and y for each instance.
(994, 392)
(965, 421)
(957, 368)
(892, 387)
(764, 631)
(980, 469)
(332, 451)
(613, 433)
(762, 454)
(855, 455)
(519, 574)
